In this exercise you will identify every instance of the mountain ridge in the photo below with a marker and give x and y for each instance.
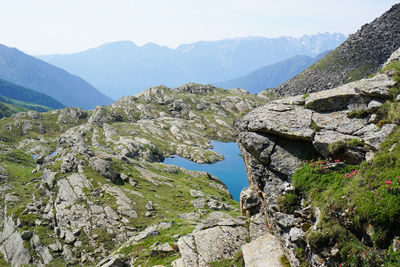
(136, 68)
(27, 71)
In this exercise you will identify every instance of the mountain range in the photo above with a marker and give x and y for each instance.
(27, 71)
(124, 68)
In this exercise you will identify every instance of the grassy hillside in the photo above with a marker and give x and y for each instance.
(10, 106)
(17, 92)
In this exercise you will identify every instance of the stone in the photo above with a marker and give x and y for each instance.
(258, 226)
(56, 247)
(211, 244)
(375, 139)
(296, 234)
(374, 104)
(338, 121)
(378, 86)
(35, 241)
(196, 193)
(285, 220)
(324, 138)
(264, 251)
(44, 254)
(218, 218)
(334, 99)
(104, 168)
(288, 154)
(178, 263)
(248, 200)
(162, 248)
(393, 57)
(259, 145)
(219, 242)
(189, 216)
(78, 244)
(115, 261)
(69, 237)
(165, 225)
(149, 206)
(124, 177)
(68, 255)
(187, 248)
(111, 214)
(199, 203)
(216, 205)
(12, 246)
(26, 235)
(283, 120)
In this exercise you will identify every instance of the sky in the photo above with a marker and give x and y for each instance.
(42, 27)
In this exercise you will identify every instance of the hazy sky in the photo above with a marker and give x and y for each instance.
(62, 26)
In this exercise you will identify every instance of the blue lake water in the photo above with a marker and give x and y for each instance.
(231, 170)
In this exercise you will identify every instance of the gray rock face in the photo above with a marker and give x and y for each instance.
(12, 246)
(219, 236)
(71, 115)
(337, 99)
(264, 251)
(284, 120)
(248, 201)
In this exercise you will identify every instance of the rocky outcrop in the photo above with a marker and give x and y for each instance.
(12, 244)
(277, 138)
(221, 236)
(266, 250)
(362, 54)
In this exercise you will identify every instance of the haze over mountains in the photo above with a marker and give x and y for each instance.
(24, 70)
(123, 68)
(269, 76)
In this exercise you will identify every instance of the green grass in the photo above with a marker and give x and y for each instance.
(236, 261)
(284, 261)
(359, 114)
(368, 193)
(288, 202)
(141, 250)
(341, 146)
